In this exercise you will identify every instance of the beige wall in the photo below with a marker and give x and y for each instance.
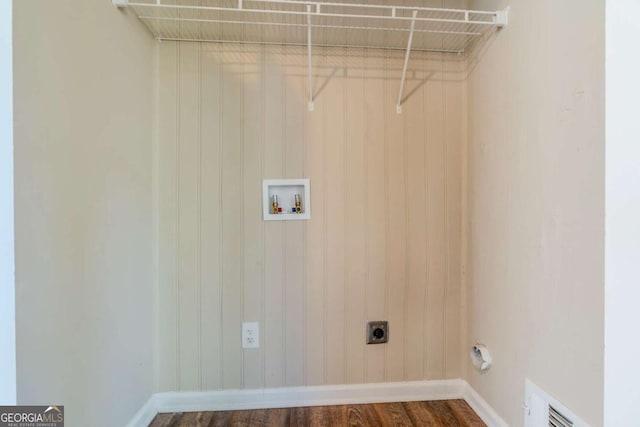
(536, 192)
(383, 241)
(83, 208)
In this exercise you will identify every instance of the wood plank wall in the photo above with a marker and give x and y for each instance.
(383, 242)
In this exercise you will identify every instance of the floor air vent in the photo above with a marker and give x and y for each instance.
(542, 410)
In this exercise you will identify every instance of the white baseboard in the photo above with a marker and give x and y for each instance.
(481, 407)
(145, 415)
(288, 397)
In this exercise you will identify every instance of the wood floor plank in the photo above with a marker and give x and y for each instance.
(205, 419)
(166, 420)
(420, 415)
(443, 413)
(362, 415)
(160, 420)
(240, 418)
(219, 419)
(465, 414)
(195, 419)
(392, 415)
(318, 416)
(299, 417)
(258, 417)
(337, 415)
(278, 417)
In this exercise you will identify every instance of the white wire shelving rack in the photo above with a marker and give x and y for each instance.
(318, 23)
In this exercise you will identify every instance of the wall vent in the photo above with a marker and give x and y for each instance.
(542, 410)
(557, 419)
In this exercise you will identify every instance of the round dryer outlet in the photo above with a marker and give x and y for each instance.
(377, 332)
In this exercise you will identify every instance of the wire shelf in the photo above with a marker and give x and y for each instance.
(318, 23)
(291, 22)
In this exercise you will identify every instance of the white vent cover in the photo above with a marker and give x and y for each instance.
(558, 419)
(542, 410)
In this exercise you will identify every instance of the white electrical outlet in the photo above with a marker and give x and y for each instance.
(250, 335)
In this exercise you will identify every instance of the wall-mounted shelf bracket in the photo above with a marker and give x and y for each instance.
(310, 67)
(120, 3)
(406, 62)
(502, 17)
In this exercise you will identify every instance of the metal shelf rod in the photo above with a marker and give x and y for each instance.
(285, 24)
(317, 5)
(187, 39)
(303, 13)
(406, 63)
(311, 106)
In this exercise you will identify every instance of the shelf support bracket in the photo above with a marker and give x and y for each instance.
(406, 62)
(310, 66)
(120, 3)
(502, 17)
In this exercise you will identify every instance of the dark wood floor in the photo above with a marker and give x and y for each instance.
(434, 413)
